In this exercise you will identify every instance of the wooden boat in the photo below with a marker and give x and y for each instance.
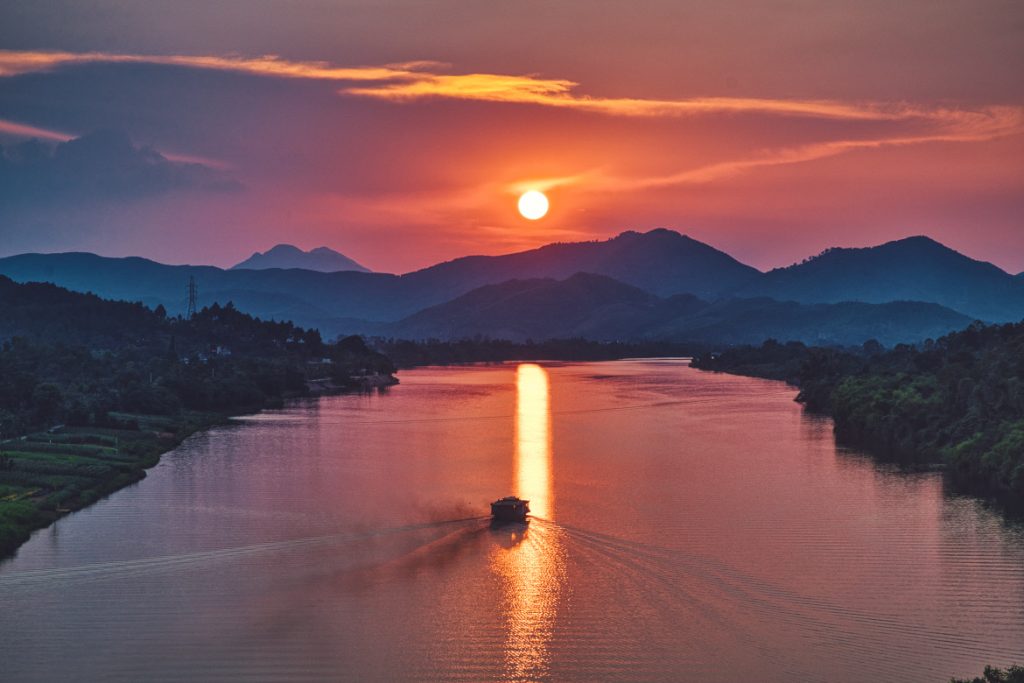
(510, 509)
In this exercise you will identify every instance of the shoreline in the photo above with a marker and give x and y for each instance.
(155, 444)
(1008, 505)
(120, 454)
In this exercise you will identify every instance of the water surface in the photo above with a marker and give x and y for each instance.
(690, 526)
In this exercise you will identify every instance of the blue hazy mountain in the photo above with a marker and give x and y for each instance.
(661, 264)
(322, 259)
(583, 305)
(660, 261)
(601, 308)
(912, 269)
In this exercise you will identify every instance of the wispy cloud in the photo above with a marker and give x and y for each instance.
(982, 126)
(18, 62)
(413, 81)
(559, 93)
(27, 131)
(410, 81)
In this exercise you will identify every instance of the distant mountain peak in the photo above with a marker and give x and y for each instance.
(916, 242)
(322, 259)
(920, 246)
(915, 268)
(654, 233)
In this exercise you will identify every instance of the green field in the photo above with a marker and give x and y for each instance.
(48, 474)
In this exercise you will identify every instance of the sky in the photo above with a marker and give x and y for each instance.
(402, 133)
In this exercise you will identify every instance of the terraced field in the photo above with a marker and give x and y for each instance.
(48, 474)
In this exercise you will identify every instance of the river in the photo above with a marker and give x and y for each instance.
(688, 526)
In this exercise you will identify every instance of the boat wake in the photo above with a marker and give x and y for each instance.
(665, 583)
(109, 570)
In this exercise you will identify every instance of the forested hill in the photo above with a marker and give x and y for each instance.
(912, 269)
(959, 400)
(93, 391)
(73, 358)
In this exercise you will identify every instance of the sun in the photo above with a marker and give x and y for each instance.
(533, 205)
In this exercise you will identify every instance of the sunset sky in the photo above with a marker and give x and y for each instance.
(401, 133)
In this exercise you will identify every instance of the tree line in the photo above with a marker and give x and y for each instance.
(958, 400)
(74, 358)
(408, 353)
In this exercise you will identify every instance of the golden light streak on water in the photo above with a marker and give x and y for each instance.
(533, 439)
(530, 562)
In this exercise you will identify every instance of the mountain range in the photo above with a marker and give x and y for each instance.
(601, 308)
(321, 259)
(654, 284)
(912, 269)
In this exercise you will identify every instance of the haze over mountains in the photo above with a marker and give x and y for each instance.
(658, 284)
(321, 259)
(599, 307)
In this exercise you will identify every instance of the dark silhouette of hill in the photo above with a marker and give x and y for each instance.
(598, 307)
(660, 261)
(584, 305)
(45, 311)
(912, 269)
(322, 259)
(309, 298)
(748, 321)
(45, 314)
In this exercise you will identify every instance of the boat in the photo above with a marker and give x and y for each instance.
(510, 509)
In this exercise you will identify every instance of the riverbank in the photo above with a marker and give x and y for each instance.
(956, 403)
(46, 475)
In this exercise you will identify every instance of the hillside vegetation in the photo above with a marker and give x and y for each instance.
(92, 391)
(958, 400)
(911, 269)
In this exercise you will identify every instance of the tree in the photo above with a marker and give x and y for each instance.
(1014, 674)
(46, 402)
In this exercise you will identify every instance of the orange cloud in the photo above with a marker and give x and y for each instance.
(558, 93)
(25, 130)
(411, 81)
(414, 81)
(980, 126)
(17, 62)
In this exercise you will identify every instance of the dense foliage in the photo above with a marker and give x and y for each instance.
(407, 354)
(959, 399)
(1014, 674)
(73, 358)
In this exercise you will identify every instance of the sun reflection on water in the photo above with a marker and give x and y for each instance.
(530, 561)
(533, 438)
